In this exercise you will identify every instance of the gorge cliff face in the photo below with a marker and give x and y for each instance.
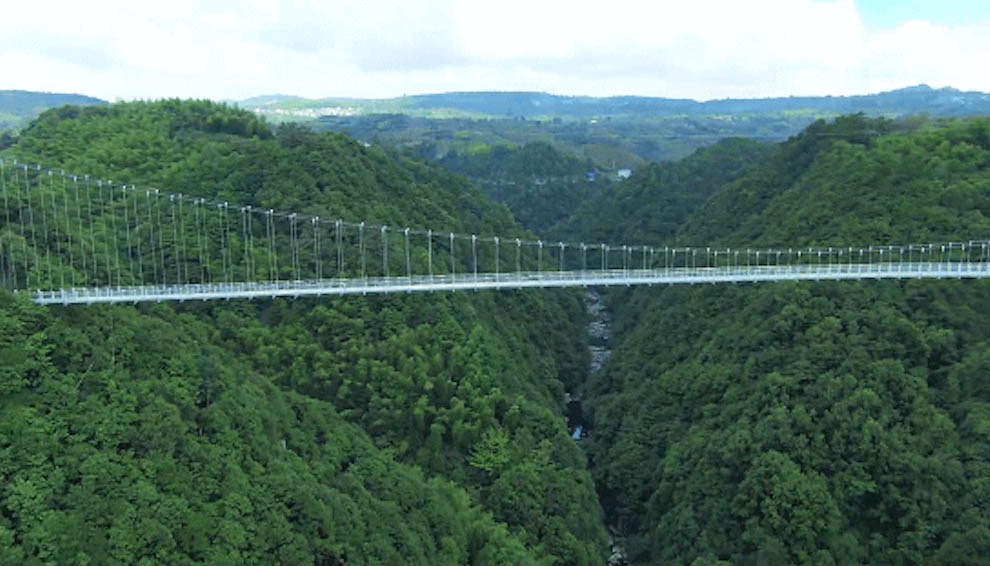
(419, 428)
(805, 423)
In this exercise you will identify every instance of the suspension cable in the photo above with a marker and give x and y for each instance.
(296, 257)
(58, 239)
(252, 266)
(244, 238)
(23, 224)
(137, 235)
(361, 250)
(68, 226)
(127, 231)
(208, 244)
(34, 238)
(8, 247)
(474, 254)
(44, 225)
(106, 243)
(272, 258)
(114, 232)
(198, 216)
(82, 231)
(294, 246)
(225, 258)
(340, 247)
(151, 238)
(408, 259)
(161, 237)
(92, 229)
(182, 242)
(175, 243)
(318, 260)
(385, 251)
(245, 234)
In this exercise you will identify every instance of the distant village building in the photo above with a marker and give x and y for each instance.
(590, 176)
(623, 173)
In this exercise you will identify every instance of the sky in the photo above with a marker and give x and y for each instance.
(701, 49)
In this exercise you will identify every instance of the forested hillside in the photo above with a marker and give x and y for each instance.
(787, 423)
(540, 184)
(806, 423)
(421, 429)
(653, 205)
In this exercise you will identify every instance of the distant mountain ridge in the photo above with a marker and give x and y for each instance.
(920, 98)
(615, 132)
(18, 107)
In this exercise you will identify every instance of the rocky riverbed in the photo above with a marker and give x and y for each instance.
(600, 345)
(599, 331)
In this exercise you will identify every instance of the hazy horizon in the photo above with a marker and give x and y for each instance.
(496, 91)
(579, 95)
(705, 50)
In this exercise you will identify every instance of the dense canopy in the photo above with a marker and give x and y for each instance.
(806, 423)
(412, 429)
(786, 423)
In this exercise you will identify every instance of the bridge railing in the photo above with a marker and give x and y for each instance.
(513, 280)
(62, 231)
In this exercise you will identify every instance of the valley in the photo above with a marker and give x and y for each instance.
(776, 423)
(440, 283)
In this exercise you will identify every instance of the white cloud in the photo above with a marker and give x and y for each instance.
(700, 49)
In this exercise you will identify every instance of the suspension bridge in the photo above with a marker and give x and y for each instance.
(68, 239)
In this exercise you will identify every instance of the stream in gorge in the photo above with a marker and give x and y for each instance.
(599, 337)
(599, 331)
